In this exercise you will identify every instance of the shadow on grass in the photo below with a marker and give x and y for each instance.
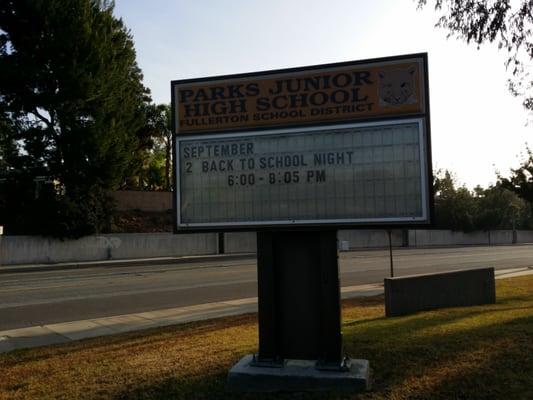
(362, 302)
(405, 325)
(396, 357)
(397, 361)
(514, 299)
(497, 365)
(506, 373)
(211, 387)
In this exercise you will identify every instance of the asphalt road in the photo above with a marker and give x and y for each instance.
(45, 297)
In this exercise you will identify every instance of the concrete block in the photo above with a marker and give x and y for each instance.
(409, 294)
(297, 376)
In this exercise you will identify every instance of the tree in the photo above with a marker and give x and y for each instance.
(153, 175)
(521, 180)
(152, 168)
(454, 207)
(8, 146)
(166, 139)
(507, 23)
(160, 126)
(499, 208)
(70, 83)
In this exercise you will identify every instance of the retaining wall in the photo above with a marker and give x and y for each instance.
(436, 237)
(524, 236)
(370, 238)
(36, 250)
(246, 242)
(421, 238)
(240, 242)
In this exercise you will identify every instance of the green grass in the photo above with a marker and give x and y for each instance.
(483, 352)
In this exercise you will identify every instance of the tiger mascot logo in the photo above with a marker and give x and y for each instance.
(397, 87)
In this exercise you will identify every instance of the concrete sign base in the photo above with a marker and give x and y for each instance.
(297, 376)
(409, 294)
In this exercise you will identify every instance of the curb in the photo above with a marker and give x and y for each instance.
(124, 263)
(65, 332)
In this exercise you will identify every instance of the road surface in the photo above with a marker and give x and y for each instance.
(44, 297)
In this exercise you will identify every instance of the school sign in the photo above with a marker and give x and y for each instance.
(342, 144)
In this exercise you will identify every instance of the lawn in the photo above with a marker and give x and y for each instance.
(483, 352)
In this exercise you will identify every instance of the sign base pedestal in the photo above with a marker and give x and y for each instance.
(298, 375)
(300, 338)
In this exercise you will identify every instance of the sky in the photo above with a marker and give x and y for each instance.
(477, 126)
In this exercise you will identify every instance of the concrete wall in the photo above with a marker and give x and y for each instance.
(142, 200)
(246, 242)
(240, 242)
(139, 245)
(435, 237)
(36, 250)
(421, 238)
(409, 294)
(500, 237)
(367, 238)
(524, 236)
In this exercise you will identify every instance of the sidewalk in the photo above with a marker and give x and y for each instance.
(76, 330)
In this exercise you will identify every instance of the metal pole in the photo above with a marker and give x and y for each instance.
(221, 244)
(390, 254)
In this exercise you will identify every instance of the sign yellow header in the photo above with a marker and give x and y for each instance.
(336, 93)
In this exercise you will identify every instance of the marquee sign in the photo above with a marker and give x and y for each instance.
(344, 144)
